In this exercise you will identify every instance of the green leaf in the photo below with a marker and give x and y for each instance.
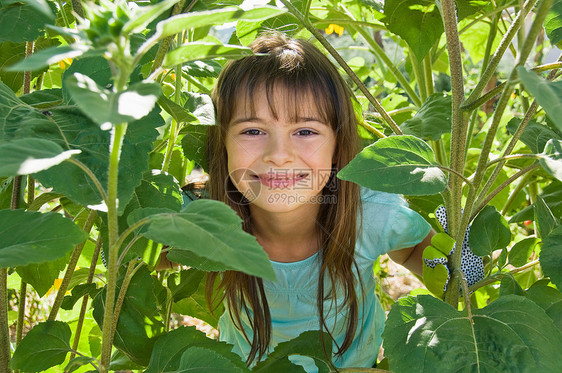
(78, 292)
(551, 256)
(23, 20)
(546, 93)
(28, 156)
(140, 323)
(77, 363)
(418, 22)
(169, 349)
(202, 69)
(48, 56)
(211, 230)
(397, 164)
(309, 343)
(44, 98)
(194, 144)
(52, 237)
(42, 276)
(204, 50)
(521, 251)
(432, 120)
(548, 298)
(105, 107)
(510, 333)
(142, 16)
(551, 159)
(44, 346)
(489, 232)
(203, 360)
(510, 286)
(69, 126)
(552, 196)
(535, 135)
(201, 105)
(545, 219)
(553, 24)
(180, 114)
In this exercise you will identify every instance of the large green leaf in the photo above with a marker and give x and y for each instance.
(203, 360)
(310, 344)
(548, 298)
(489, 232)
(512, 334)
(47, 57)
(397, 164)
(553, 23)
(194, 144)
(69, 127)
(546, 93)
(204, 50)
(546, 221)
(33, 237)
(552, 196)
(521, 251)
(211, 230)
(23, 20)
(551, 159)
(535, 135)
(29, 155)
(169, 349)
(42, 276)
(44, 346)
(140, 323)
(432, 120)
(551, 256)
(105, 107)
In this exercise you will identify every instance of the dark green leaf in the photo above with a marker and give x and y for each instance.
(489, 232)
(28, 156)
(551, 256)
(203, 360)
(551, 159)
(140, 323)
(546, 93)
(432, 120)
(521, 251)
(44, 346)
(185, 284)
(397, 164)
(310, 344)
(42, 276)
(552, 196)
(52, 237)
(96, 68)
(193, 260)
(546, 221)
(510, 286)
(203, 50)
(47, 57)
(510, 333)
(23, 20)
(194, 144)
(168, 350)
(44, 98)
(180, 114)
(553, 24)
(78, 292)
(105, 107)
(535, 135)
(211, 230)
(548, 298)
(77, 363)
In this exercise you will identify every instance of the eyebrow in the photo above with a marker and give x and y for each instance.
(259, 120)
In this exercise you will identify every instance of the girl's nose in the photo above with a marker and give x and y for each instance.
(279, 150)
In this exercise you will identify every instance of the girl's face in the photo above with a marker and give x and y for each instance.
(279, 164)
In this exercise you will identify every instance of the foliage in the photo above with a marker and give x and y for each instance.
(105, 118)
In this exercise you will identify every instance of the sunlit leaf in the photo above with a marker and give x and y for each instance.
(397, 164)
(551, 159)
(204, 50)
(510, 333)
(47, 57)
(553, 23)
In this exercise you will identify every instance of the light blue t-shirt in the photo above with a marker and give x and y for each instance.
(388, 224)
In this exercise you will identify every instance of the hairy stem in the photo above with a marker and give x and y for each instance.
(4, 327)
(499, 276)
(71, 266)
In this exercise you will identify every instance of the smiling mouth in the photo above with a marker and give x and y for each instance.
(279, 180)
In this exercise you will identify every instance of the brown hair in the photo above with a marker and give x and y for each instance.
(299, 68)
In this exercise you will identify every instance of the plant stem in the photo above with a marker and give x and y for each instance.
(458, 141)
(420, 75)
(499, 276)
(83, 309)
(71, 267)
(310, 27)
(427, 65)
(118, 135)
(515, 192)
(131, 269)
(4, 327)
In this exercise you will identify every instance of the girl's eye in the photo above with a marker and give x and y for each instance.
(306, 132)
(252, 132)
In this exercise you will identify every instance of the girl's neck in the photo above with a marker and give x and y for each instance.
(287, 236)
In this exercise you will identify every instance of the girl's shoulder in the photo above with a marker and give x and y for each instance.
(369, 196)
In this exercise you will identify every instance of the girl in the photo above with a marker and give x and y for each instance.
(285, 127)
